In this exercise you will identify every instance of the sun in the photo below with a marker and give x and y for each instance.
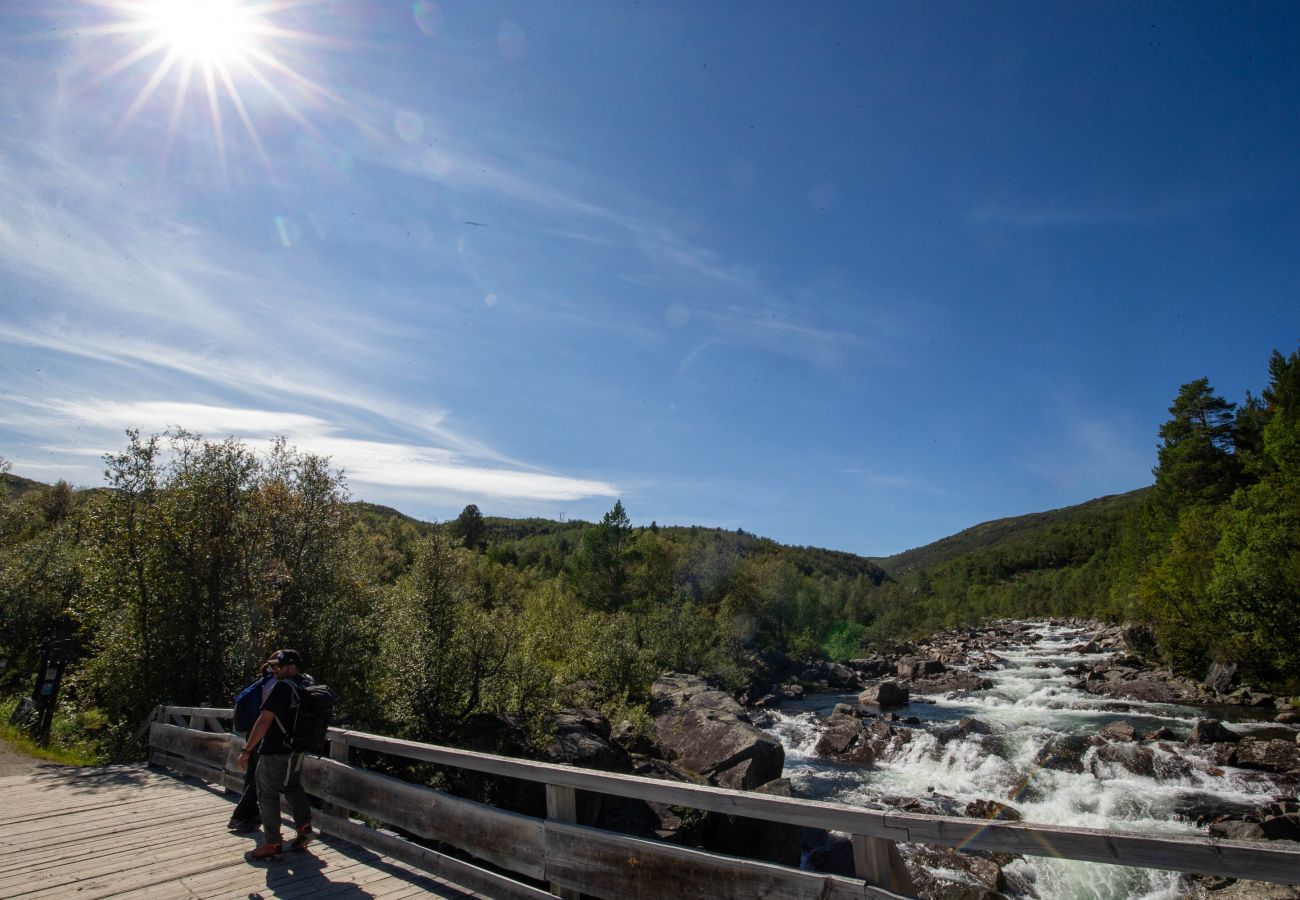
(204, 31)
(218, 54)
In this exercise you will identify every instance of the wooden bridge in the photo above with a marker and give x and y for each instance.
(370, 818)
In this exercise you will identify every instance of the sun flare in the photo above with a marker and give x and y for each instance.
(228, 56)
(203, 30)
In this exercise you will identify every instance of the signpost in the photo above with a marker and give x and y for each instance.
(38, 710)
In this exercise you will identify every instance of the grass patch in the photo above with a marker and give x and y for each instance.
(67, 746)
(19, 741)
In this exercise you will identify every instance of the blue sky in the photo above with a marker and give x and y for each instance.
(852, 275)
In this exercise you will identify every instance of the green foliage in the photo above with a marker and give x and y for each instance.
(201, 556)
(847, 640)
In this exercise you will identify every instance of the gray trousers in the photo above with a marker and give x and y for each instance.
(279, 773)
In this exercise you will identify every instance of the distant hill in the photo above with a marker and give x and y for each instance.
(17, 485)
(1013, 530)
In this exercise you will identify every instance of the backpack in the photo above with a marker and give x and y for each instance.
(248, 705)
(313, 705)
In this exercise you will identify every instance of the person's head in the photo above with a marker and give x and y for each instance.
(285, 663)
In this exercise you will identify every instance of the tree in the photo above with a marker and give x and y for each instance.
(470, 528)
(600, 567)
(1196, 463)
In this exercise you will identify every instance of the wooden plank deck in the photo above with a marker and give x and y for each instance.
(134, 833)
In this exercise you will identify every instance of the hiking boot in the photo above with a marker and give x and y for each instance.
(242, 826)
(305, 836)
(266, 853)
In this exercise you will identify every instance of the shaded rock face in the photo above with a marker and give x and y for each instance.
(1211, 731)
(887, 693)
(775, 842)
(705, 731)
(582, 739)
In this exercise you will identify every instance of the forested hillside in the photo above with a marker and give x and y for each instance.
(198, 556)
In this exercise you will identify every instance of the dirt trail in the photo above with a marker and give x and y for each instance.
(15, 763)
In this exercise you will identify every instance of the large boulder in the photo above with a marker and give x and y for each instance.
(1211, 731)
(705, 731)
(846, 739)
(886, 693)
(1269, 756)
(1221, 677)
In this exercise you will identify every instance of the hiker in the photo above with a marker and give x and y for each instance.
(246, 817)
(278, 767)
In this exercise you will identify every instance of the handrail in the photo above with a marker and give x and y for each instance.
(1202, 855)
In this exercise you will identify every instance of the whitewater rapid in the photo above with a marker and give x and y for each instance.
(1032, 704)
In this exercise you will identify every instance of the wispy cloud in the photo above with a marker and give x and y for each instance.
(413, 467)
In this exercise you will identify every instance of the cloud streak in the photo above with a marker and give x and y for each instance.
(413, 467)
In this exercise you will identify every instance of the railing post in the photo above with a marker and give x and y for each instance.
(339, 753)
(562, 806)
(877, 861)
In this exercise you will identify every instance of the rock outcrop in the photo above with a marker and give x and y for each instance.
(705, 731)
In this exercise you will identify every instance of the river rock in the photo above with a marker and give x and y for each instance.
(1161, 734)
(1221, 676)
(792, 691)
(1211, 731)
(1140, 760)
(991, 810)
(842, 677)
(872, 667)
(886, 693)
(1268, 756)
(845, 738)
(1237, 830)
(1248, 696)
(1281, 828)
(1292, 717)
(1063, 754)
(705, 731)
(1119, 731)
(1230, 889)
(910, 667)
(950, 682)
(942, 872)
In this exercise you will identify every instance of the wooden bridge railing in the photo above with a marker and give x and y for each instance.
(575, 859)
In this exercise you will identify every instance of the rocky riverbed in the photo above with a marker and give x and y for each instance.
(1060, 723)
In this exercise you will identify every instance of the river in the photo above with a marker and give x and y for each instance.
(1033, 703)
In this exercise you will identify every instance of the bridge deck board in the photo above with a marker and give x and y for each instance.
(132, 833)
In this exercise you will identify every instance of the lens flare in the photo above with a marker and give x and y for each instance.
(221, 54)
(203, 30)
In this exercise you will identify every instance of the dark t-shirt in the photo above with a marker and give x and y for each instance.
(282, 703)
